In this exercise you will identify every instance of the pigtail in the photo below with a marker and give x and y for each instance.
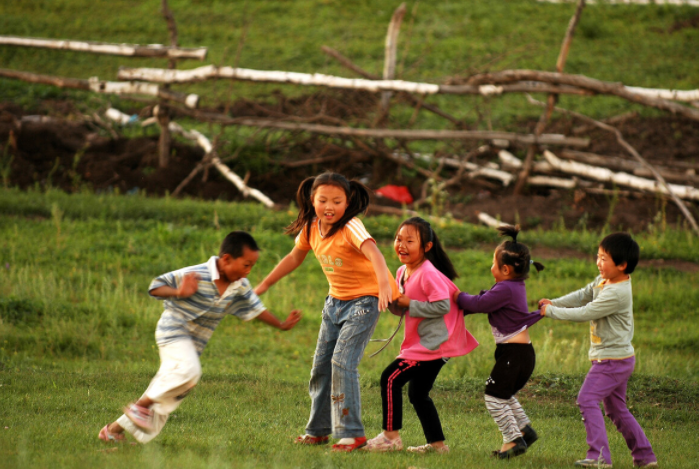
(305, 203)
(439, 258)
(509, 230)
(515, 254)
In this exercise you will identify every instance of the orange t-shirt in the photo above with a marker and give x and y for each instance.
(350, 274)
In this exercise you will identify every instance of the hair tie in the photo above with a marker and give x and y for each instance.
(531, 261)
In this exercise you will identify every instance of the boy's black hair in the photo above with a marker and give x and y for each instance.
(515, 254)
(234, 243)
(437, 255)
(622, 247)
(358, 198)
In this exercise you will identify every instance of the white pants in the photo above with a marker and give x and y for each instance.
(179, 372)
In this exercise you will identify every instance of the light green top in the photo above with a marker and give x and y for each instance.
(609, 308)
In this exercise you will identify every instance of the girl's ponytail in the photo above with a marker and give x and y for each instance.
(515, 254)
(304, 196)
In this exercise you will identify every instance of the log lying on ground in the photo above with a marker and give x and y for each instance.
(210, 155)
(581, 81)
(107, 87)
(473, 169)
(621, 179)
(407, 135)
(488, 220)
(621, 164)
(204, 142)
(129, 50)
(531, 81)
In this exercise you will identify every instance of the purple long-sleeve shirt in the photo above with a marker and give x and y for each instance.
(505, 304)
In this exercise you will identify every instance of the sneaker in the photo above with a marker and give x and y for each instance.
(140, 416)
(381, 444)
(108, 437)
(428, 449)
(592, 463)
(529, 435)
(358, 442)
(312, 440)
(520, 447)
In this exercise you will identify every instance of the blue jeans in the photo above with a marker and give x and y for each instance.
(334, 387)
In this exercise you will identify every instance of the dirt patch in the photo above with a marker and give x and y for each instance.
(57, 149)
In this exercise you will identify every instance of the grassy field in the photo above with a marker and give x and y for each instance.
(76, 342)
(438, 40)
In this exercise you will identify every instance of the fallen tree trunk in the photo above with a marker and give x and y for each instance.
(545, 139)
(129, 50)
(581, 81)
(508, 81)
(621, 179)
(620, 164)
(107, 87)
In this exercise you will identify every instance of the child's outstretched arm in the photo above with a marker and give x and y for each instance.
(291, 320)
(371, 251)
(287, 265)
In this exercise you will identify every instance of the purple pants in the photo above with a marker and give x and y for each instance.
(606, 382)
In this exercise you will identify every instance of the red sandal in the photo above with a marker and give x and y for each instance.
(359, 442)
(312, 440)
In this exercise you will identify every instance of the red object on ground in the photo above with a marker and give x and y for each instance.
(397, 193)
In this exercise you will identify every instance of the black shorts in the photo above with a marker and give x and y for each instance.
(514, 365)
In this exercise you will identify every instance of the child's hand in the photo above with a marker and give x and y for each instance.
(544, 301)
(542, 311)
(189, 285)
(403, 301)
(385, 294)
(455, 298)
(291, 320)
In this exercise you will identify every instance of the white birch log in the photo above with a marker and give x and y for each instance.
(674, 95)
(391, 52)
(474, 170)
(489, 221)
(204, 142)
(549, 181)
(129, 50)
(621, 179)
(107, 87)
(118, 116)
(508, 159)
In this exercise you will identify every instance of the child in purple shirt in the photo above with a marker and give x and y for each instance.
(509, 318)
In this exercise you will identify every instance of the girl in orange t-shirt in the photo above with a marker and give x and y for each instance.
(360, 287)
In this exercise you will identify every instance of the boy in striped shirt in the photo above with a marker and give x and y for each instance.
(196, 299)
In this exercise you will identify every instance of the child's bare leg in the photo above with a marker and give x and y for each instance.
(391, 435)
(438, 444)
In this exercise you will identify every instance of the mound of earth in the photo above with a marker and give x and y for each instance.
(55, 148)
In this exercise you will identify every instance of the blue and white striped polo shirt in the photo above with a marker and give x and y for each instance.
(196, 317)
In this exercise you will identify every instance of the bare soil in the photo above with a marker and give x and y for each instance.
(63, 150)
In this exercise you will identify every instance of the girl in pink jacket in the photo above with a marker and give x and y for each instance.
(434, 332)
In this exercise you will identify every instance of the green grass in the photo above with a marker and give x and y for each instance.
(76, 343)
(438, 40)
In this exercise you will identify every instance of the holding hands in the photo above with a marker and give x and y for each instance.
(542, 305)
